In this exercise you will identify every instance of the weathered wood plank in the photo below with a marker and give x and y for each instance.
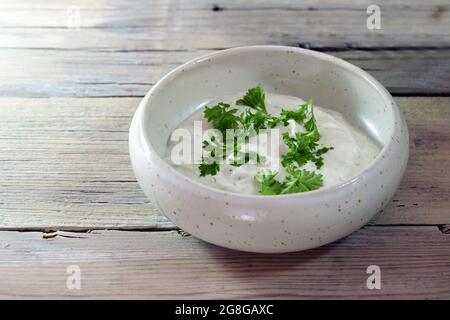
(167, 266)
(64, 165)
(121, 49)
(425, 190)
(50, 73)
(65, 162)
(178, 24)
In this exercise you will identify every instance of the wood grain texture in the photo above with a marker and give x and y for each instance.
(425, 190)
(181, 24)
(121, 49)
(414, 263)
(91, 73)
(64, 161)
(64, 165)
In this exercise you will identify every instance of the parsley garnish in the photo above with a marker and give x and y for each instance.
(302, 147)
(208, 169)
(301, 181)
(297, 181)
(254, 98)
(269, 186)
(298, 115)
(258, 120)
(216, 151)
(222, 117)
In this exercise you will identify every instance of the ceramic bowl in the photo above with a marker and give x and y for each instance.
(260, 223)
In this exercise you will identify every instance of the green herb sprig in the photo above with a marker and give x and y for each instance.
(302, 146)
(296, 181)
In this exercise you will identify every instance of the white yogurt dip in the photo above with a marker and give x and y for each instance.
(353, 150)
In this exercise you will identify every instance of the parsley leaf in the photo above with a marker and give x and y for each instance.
(214, 152)
(255, 121)
(303, 146)
(254, 98)
(222, 117)
(269, 186)
(317, 156)
(258, 120)
(208, 169)
(301, 181)
(311, 124)
(296, 181)
(298, 115)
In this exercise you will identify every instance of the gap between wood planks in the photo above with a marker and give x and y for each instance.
(414, 262)
(71, 232)
(130, 73)
(302, 45)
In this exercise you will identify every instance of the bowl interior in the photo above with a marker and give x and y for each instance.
(330, 82)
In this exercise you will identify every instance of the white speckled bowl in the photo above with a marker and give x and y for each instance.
(269, 223)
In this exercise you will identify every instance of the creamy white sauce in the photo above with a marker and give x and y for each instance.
(353, 150)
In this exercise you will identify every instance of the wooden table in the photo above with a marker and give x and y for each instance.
(71, 76)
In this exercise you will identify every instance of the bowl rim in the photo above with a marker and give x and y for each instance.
(193, 63)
